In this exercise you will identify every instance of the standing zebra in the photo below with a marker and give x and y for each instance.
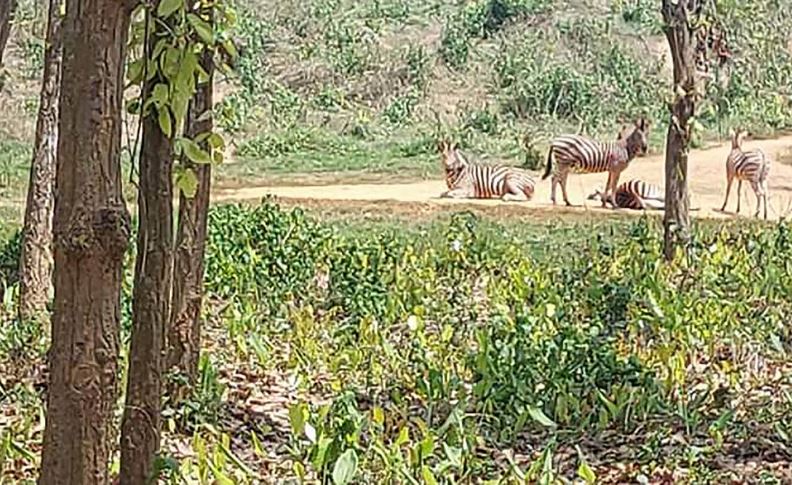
(635, 194)
(581, 154)
(752, 166)
(468, 180)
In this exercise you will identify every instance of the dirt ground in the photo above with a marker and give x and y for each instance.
(706, 170)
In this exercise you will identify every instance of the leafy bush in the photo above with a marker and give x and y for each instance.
(481, 19)
(463, 319)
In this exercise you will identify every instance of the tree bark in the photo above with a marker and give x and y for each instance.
(184, 334)
(35, 265)
(140, 428)
(91, 232)
(7, 9)
(679, 32)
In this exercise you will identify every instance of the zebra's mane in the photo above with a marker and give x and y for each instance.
(463, 158)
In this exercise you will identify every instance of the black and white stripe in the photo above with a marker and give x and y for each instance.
(752, 166)
(635, 194)
(580, 154)
(467, 180)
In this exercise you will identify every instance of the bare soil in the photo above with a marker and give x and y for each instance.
(707, 175)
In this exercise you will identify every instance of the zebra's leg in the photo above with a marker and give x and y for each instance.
(564, 178)
(652, 204)
(458, 193)
(764, 196)
(517, 196)
(553, 184)
(729, 181)
(608, 192)
(739, 194)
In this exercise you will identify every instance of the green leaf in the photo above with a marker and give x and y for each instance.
(171, 62)
(257, 448)
(167, 7)
(196, 155)
(135, 71)
(231, 49)
(216, 141)
(403, 438)
(378, 416)
(540, 417)
(165, 121)
(185, 79)
(159, 95)
(202, 28)
(345, 467)
(297, 415)
(428, 476)
(187, 182)
(179, 106)
(586, 473)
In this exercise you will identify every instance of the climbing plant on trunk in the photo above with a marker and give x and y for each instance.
(176, 38)
(680, 18)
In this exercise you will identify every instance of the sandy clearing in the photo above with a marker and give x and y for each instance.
(707, 183)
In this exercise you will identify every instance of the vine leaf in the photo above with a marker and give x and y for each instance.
(186, 181)
(167, 7)
(202, 28)
(192, 151)
(165, 121)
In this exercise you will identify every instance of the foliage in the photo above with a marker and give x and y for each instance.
(463, 321)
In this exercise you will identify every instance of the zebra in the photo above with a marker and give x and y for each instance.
(467, 180)
(752, 166)
(634, 194)
(583, 155)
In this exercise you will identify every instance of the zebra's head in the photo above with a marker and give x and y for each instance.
(636, 138)
(738, 136)
(598, 195)
(452, 159)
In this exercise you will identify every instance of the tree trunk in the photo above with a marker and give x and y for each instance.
(184, 334)
(35, 265)
(678, 31)
(91, 228)
(140, 428)
(7, 9)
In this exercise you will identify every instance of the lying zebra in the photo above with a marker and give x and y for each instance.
(577, 153)
(635, 194)
(468, 180)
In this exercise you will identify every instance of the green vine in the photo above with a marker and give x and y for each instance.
(169, 37)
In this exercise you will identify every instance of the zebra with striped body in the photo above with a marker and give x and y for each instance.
(467, 180)
(634, 194)
(580, 154)
(752, 166)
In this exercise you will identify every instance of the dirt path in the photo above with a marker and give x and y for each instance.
(707, 183)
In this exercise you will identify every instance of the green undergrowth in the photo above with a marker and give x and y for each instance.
(436, 350)
(433, 343)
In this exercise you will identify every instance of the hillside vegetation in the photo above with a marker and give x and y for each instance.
(358, 86)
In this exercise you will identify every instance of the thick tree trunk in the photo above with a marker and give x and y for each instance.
(91, 228)
(140, 428)
(184, 334)
(678, 30)
(7, 9)
(35, 265)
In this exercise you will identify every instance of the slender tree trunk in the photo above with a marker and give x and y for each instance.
(184, 334)
(678, 31)
(7, 9)
(92, 229)
(35, 265)
(140, 428)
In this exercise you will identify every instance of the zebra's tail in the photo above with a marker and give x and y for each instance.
(549, 168)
